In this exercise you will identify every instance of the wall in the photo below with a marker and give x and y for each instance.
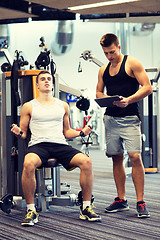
(86, 35)
(26, 37)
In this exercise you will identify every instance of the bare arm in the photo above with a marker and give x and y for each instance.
(24, 121)
(100, 84)
(69, 132)
(142, 77)
(139, 73)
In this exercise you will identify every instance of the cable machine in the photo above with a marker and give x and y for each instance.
(18, 87)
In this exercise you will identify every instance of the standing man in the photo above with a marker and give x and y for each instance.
(48, 120)
(122, 76)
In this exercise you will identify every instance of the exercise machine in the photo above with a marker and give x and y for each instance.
(49, 185)
(83, 104)
(18, 87)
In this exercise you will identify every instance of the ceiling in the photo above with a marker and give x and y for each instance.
(12, 11)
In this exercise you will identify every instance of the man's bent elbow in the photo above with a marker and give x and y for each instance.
(98, 94)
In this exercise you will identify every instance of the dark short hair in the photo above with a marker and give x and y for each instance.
(42, 72)
(108, 39)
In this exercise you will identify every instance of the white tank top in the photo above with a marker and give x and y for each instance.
(46, 123)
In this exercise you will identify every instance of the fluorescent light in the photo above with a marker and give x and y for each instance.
(101, 4)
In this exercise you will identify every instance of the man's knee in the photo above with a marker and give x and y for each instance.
(28, 167)
(86, 163)
(135, 159)
(30, 163)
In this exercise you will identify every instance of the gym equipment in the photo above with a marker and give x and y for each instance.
(88, 56)
(83, 104)
(150, 125)
(7, 55)
(50, 191)
(49, 187)
(7, 203)
(15, 103)
(45, 60)
(63, 38)
(5, 67)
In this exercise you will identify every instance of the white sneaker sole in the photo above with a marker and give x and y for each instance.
(30, 224)
(143, 216)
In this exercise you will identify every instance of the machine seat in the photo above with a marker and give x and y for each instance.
(51, 163)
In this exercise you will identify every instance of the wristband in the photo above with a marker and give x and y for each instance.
(82, 134)
(20, 134)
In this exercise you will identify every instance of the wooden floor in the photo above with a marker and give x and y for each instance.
(63, 223)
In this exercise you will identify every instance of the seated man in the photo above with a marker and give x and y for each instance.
(48, 120)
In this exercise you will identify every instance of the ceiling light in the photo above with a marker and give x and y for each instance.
(101, 4)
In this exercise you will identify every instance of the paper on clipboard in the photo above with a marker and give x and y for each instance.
(107, 101)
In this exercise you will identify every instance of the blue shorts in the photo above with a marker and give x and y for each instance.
(122, 133)
(62, 152)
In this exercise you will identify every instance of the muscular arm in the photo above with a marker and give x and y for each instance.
(24, 121)
(136, 70)
(142, 77)
(100, 84)
(69, 132)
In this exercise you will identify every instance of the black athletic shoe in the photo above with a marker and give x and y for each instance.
(89, 214)
(142, 211)
(117, 206)
(30, 219)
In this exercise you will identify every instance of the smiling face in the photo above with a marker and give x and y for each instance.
(45, 82)
(112, 53)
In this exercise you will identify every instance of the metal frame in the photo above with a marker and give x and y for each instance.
(3, 162)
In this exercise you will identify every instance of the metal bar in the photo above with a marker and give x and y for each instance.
(56, 86)
(58, 181)
(7, 55)
(158, 131)
(56, 171)
(3, 139)
(0, 139)
(69, 90)
(157, 75)
(96, 61)
(152, 69)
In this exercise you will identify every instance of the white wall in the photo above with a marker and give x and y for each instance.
(25, 37)
(145, 47)
(87, 35)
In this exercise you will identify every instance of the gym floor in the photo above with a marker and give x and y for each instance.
(63, 223)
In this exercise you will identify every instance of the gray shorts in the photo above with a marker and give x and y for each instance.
(122, 133)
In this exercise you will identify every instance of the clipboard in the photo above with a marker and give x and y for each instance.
(107, 101)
